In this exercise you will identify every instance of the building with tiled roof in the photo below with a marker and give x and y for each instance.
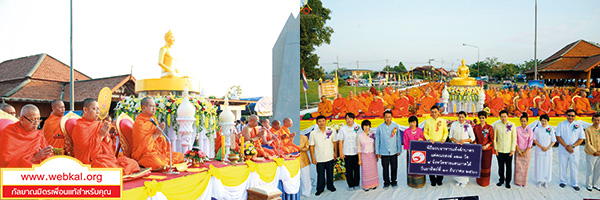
(578, 60)
(39, 79)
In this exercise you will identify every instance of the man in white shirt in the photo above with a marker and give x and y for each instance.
(347, 138)
(569, 135)
(323, 153)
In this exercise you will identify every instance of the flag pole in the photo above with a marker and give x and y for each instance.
(305, 99)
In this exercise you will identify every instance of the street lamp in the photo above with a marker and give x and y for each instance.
(477, 56)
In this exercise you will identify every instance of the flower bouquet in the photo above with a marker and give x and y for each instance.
(196, 156)
(249, 150)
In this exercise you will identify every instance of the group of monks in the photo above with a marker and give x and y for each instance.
(270, 139)
(404, 103)
(551, 101)
(92, 140)
(372, 103)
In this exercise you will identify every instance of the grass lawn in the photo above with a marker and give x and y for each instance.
(313, 94)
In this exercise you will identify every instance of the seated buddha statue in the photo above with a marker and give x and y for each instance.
(463, 76)
(165, 61)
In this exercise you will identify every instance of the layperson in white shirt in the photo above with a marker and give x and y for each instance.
(569, 135)
(323, 152)
(461, 132)
(347, 138)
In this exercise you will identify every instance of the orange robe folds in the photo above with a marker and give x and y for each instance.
(561, 106)
(375, 109)
(523, 105)
(582, 106)
(546, 105)
(89, 148)
(496, 105)
(325, 109)
(52, 129)
(18, 146)
(339, 107)
(401, 108)
(275, 143)
(260, 151)
(287, 141)
(149, 151)
(352, 106)
(426, 103)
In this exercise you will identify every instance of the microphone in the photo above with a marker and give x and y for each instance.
(170, 171)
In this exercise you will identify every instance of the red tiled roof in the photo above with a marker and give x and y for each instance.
(589, 63)
(91, 88)
(44, 78)
(577, 56)
(17, 68)
(52, 69)
(562, 64)
(39, 90)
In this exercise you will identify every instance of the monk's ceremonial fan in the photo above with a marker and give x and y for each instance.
(104, 100)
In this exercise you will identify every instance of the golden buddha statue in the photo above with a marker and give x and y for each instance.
(165, 61)
(463, 78)
(170, 81)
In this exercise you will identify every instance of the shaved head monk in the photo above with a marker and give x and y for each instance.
(7, 108)
(150, 148)
(325, 108)
(253, 133)
(92, 143)
(21, 143)
(51, 128)
(287, 138)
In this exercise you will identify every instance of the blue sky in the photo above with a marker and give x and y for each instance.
(414, 31)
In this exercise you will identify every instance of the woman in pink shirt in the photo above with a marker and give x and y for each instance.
(523, 152)
(365, 144)
(413, 133)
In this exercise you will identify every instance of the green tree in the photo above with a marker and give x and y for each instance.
(485, 67)
(313, 33)
(400, 67)
(234, 91)
(528, 65)
(505, 71)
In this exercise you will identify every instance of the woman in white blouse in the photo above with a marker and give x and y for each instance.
(544, 139)
(461, 132)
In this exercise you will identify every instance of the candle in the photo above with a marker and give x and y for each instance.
(222, 147)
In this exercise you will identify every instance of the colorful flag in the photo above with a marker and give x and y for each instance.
(370, 81)
(336, 78)
(304, 81)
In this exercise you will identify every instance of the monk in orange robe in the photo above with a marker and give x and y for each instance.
(401, 106)
(92, 143)
(339, 106)
(561, 105)
(51, 128)
(287, 138)
(363, 102)
(150, 147)
(375, 108)
(595, 96)
(252, 132)
(426, 103)
(273, 140)
(496, 104)
(545, 106)
(581, 104)
(388, 100)
(21, 143)
(268, 138)
(7, 108)
(352, 105)
(325, 108)
(411, 100)
(523, 104)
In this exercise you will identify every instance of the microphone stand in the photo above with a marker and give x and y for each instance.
(170, 171)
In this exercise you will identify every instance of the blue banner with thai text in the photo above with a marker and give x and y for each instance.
(448, 159)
